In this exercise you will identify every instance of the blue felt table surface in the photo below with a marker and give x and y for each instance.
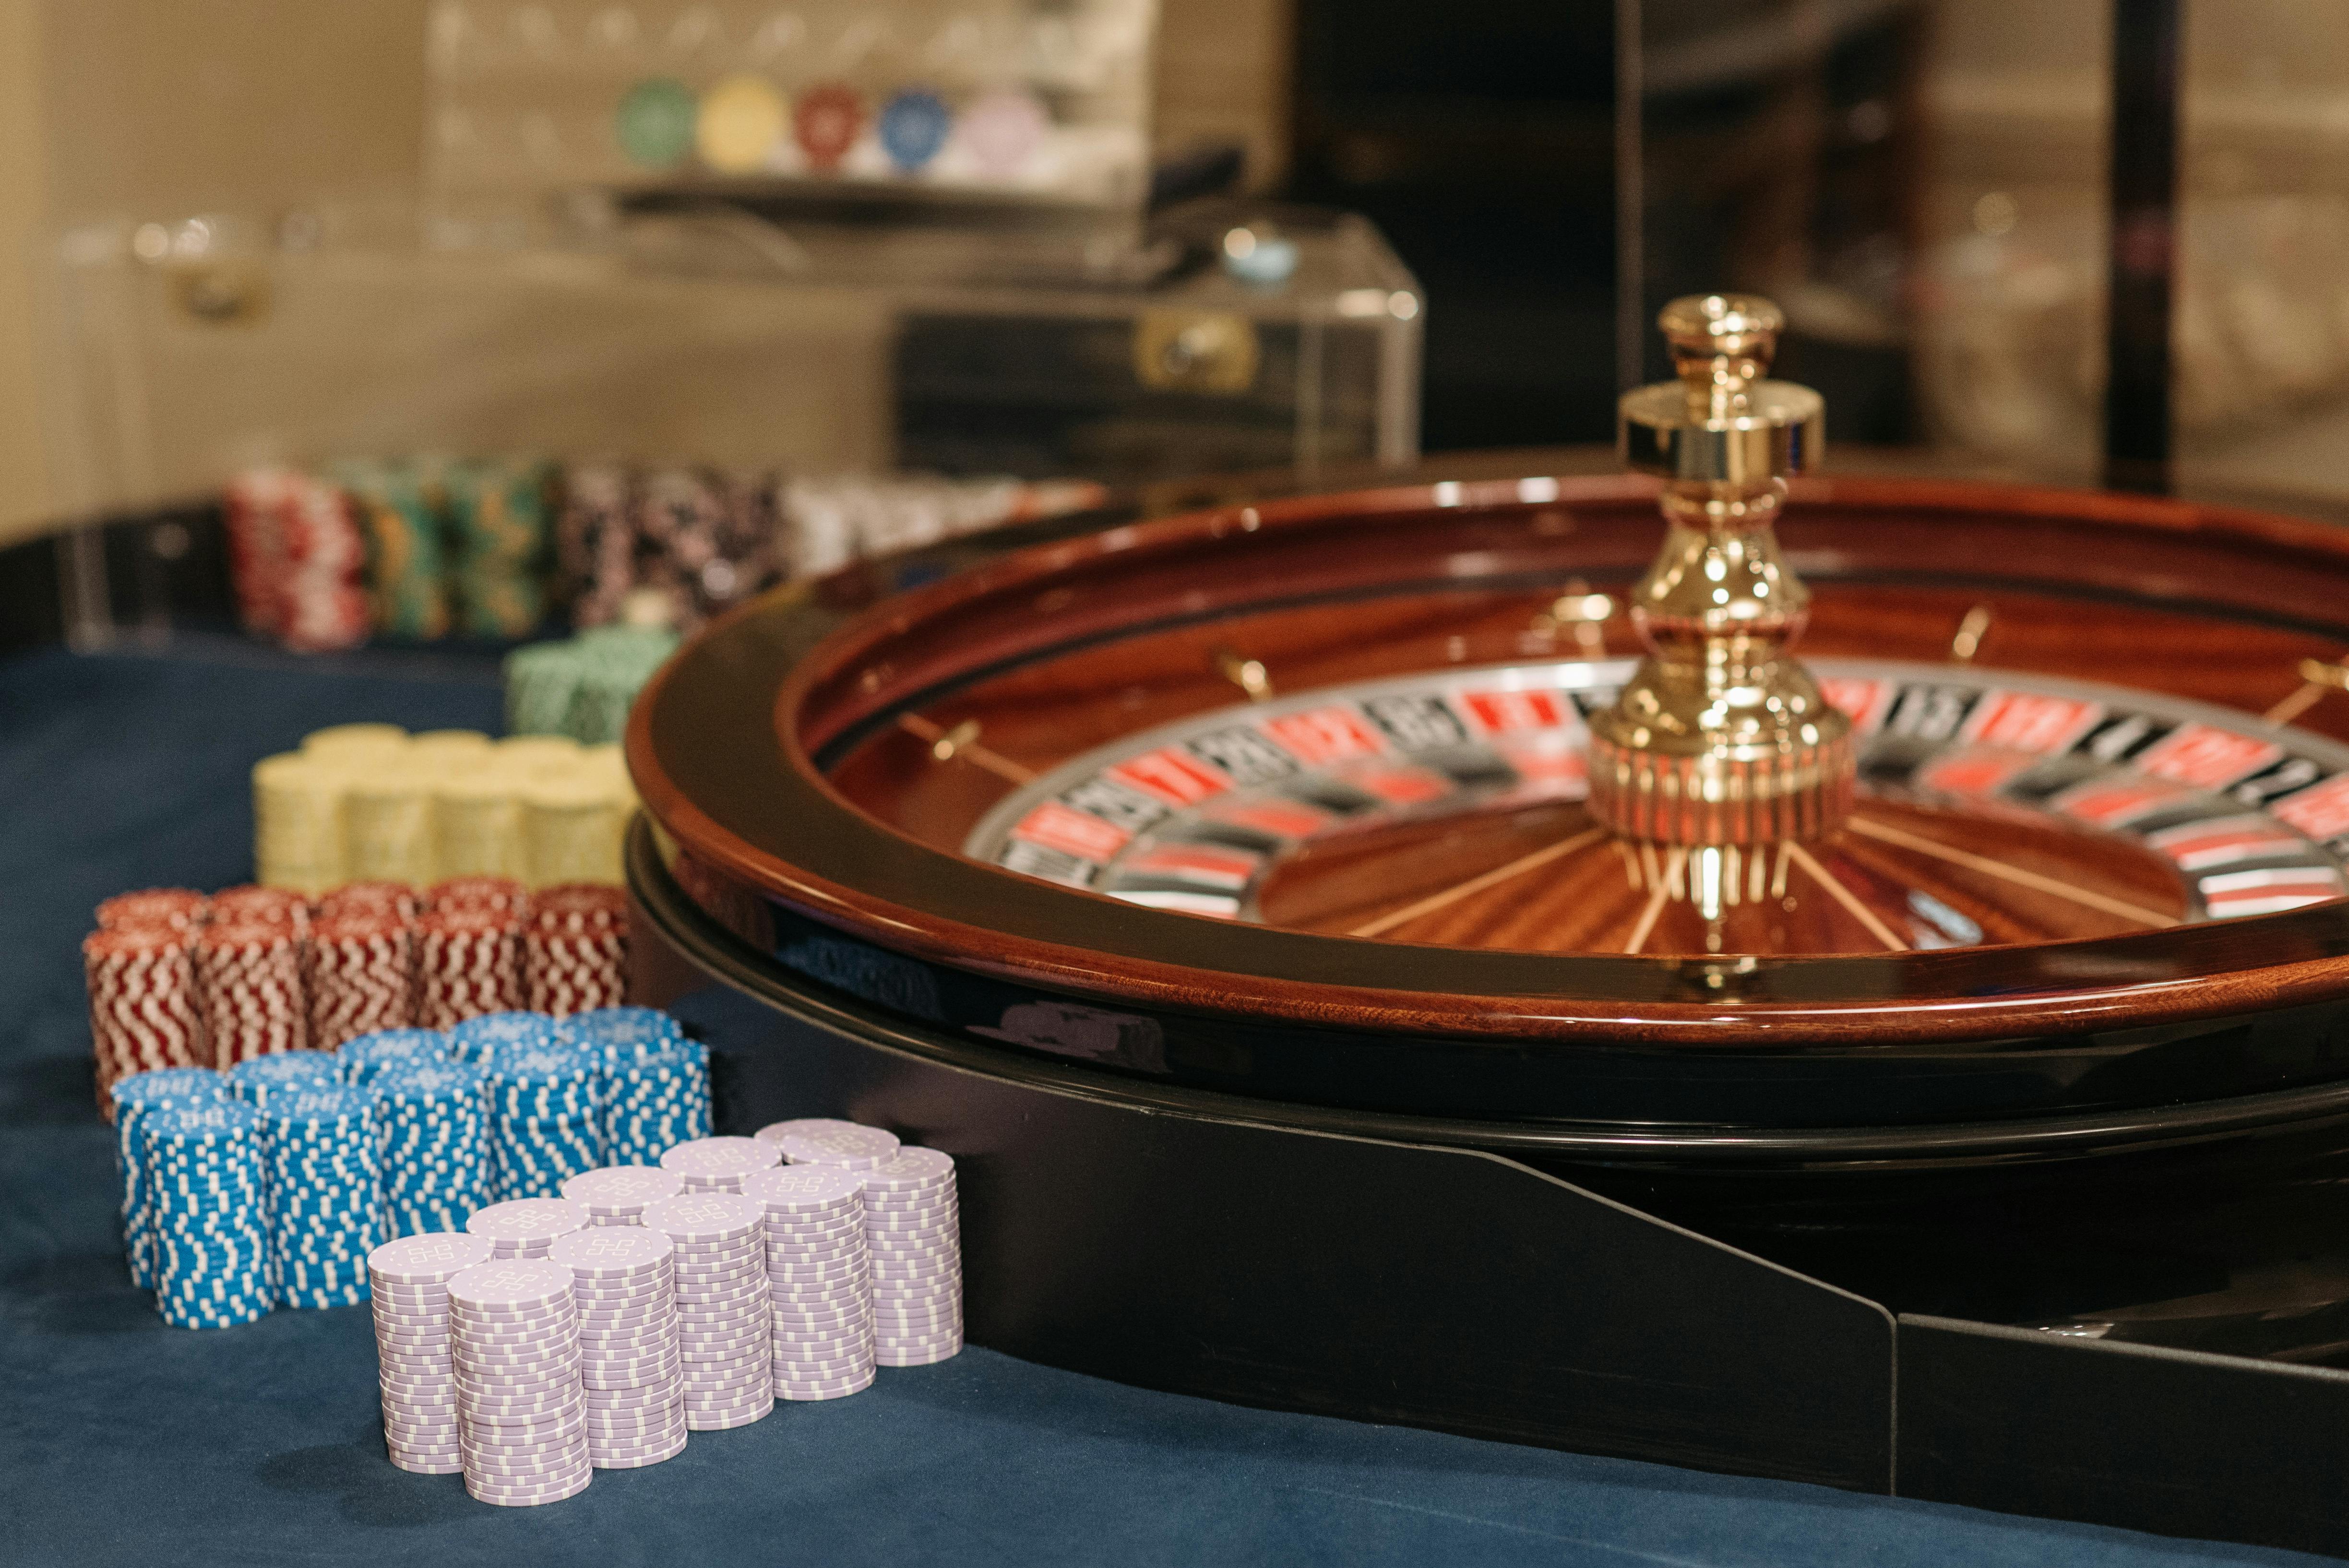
(123, 1441)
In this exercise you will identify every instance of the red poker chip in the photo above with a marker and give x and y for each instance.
(365, 897)
(249, 983)
(250, 905)
(468, 962)
(499, 895)
(362, 973)
(170, 908)
(142, 1005)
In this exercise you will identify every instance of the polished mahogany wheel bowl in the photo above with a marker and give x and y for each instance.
(1279, 809)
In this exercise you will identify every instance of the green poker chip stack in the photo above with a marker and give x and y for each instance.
(400, 513)
(500, 514)
(582, 687)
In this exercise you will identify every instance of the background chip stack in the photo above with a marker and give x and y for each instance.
(544, 1120)
(526, 1227)
(325, 1207)
(134, 1099)
(624, 1286)
(482, 1039)
(202, 1166)
(406, 556)
(432, 1139)
(361, 973)
(820, 1280)
(298, 821)
(498, 511)
(264, 1078)
(718, 1164)
(409, 1280)
(575, 949)
(514, 1344)
(620, 1194)
(295, 558)
(143, 1003)
(594, 542)
(497, 894)
(175, 909)
(468, 962)
(724, 1326)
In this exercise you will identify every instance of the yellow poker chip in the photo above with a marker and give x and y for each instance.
(742, 119)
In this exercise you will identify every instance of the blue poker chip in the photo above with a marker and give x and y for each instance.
(367, 1056)
(913, 128)
(491, 1035)
(264, 1078)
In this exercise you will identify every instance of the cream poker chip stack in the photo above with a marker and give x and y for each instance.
(820, 1280)
(724, 1324)
(521, 1417)
(527, 1227)
(913, 1230)
(409, 1280)
(720, 1164)
(631, 1377)
(617, 1195)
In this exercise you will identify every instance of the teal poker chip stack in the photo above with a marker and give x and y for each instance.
(500, 513)
(583, 688)
(325, 1203)
(135, 1098)
(264, 1078)
(367, 1057)
(432, 1141)
(483, 1040)
(202, 1166)
(546, 1118)
(656, 1096)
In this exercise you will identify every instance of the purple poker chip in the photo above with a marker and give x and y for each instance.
(626, 1404)
(719, 1289)
(518, 1382)
(822, 1360)
(613, 1252)
(705, 1217)
(427, 1260)
(524, 1221)
(594, 1295)
(621, 1189)
(635, 1446)
(817, 1191)
(918, 1357)
(510, 1285)
(811, 1387)
(720, 1365)
(727, 1420)
(638, 1462)
(434, 1464)
(496, 1498)
(601, 1350)
(624, 1421)
(718, 1159)
(815, 1249)
(804, 1266)
(520, 1461)
(699, 1324)
(847, 1309)
(488, 1481)
(820, 1373)
(854, 1318)
(741, 1383)
(704, 1337)
(910, 1169)
(495, 1438)
(504, 1319)
(420, 1439)
(417, 1392)
(845, 1144)
(606, 1317)
(523, 1413)
(630, 1374)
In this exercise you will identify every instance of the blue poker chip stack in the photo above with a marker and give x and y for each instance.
(482, 1040)
(263, 1079)
(325, 1206)
(654, 1100)
(203, 1168)
(545, 1120)
(433, 1143)
(369, 1056)
(135, 1098)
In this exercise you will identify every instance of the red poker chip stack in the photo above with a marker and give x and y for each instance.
(361, 975)
(249, 982)
(156, 908)
(575, 949)
(468, 962)
(295, 556)
(499, 895)
(142, 1003)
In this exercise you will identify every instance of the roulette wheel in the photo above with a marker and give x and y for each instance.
(1932, 887)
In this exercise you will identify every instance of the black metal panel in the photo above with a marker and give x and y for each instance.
(2128, 1434)
(2143, 183)
(1382, 1282)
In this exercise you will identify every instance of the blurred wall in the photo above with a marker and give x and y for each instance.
(160, 107)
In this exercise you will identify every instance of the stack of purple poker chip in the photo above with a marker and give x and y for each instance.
(616, 1194)
(913, 1229)
(723, 1322)
(720, 1164)
(527, 1227)
(821, 1286)
(514, 1344)
(625, 1285)
(409, 1280)
(821, 1140)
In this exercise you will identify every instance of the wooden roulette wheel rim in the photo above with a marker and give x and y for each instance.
(741, 745)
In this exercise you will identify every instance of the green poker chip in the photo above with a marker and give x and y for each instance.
(656, 123)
